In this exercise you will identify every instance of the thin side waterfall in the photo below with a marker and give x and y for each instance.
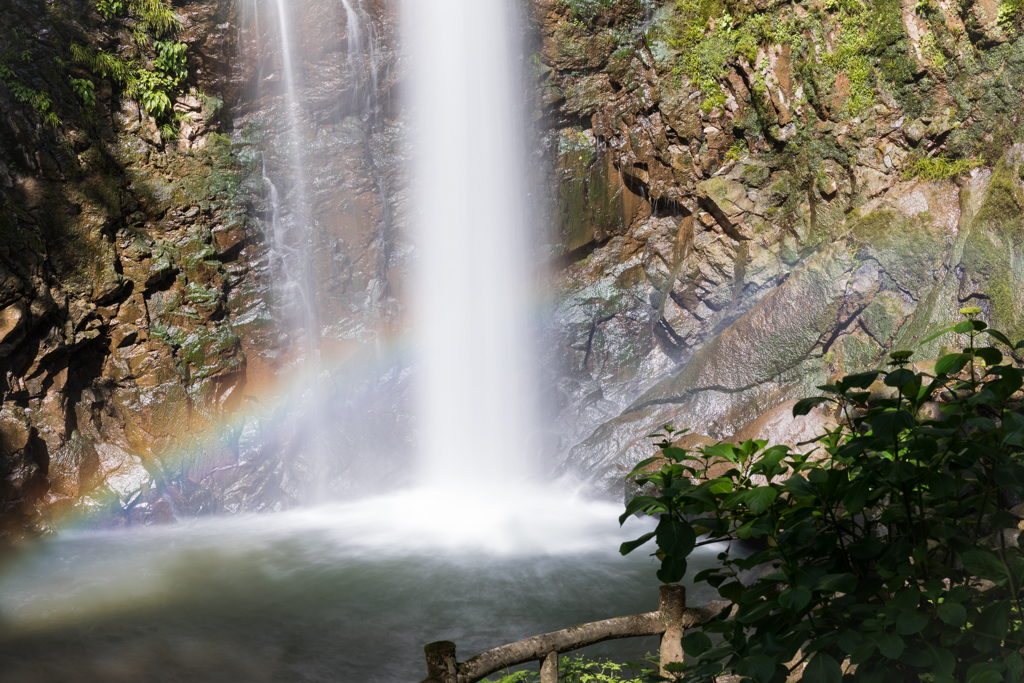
(291, 246)
(294, 281)
(473, 276)
(355, 41)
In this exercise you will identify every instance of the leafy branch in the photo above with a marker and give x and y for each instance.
(884, 552)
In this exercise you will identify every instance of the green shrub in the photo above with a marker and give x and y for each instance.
(888, 549)
(578, 669)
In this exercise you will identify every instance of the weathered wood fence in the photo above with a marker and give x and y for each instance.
(671, 619)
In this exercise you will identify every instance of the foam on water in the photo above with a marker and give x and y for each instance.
(104, 573)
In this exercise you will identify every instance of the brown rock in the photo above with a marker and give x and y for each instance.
(779, 427)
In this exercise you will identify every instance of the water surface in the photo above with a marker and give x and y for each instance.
(339, 593)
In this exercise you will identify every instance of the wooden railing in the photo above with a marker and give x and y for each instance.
(671, 619)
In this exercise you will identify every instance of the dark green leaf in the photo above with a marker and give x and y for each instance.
(856, 497)
(726, 451)
(861, 380)
(999, 336)
(865, 548)
(759, 667)
(897, 378)
(751, 613)
(985, 676)
(636, 505)
(760, 499)
(849, 640)
(732, 591)
(994, 619)
(952, 363)
(642, 464)
(953, 613)
(990, 355)
(906, 599)
(822, 669)
(1014, 667)
(909, 622)
(983, 563)
(887, 425)
(836, 583)
(805, 405)
(629, 546)
(916, 657)
(675, 538)
(696, 643)
(672, 570)
(795, 598)
(942, 660)
(1009, 382)
(799, 485)
(890, 645)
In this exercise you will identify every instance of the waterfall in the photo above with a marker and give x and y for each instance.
(473, 277)
(355, 43)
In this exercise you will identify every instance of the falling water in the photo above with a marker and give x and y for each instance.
(355, 39)
(292, 250)
(473, 278)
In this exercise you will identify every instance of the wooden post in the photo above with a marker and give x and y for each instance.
(672, 605)
(441, 665)
(549, 668)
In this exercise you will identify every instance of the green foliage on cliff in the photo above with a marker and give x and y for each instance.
(887, 554)
(588, 10)
(15, 55)
(154, 67)
(940, 168)
(867, 46)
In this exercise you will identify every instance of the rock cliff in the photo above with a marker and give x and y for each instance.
(754, 196)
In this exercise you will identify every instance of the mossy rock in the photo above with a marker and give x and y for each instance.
(992, 257)
(755, 175)
(884, 316)
(856, 352)
(909, 250)
(210, 351)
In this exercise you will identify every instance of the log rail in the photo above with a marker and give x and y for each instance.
(671, 619)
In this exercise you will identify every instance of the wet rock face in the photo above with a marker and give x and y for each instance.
(739, 208)
(143, 350)
(115, 338)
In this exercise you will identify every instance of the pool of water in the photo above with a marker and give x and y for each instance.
(347, 593)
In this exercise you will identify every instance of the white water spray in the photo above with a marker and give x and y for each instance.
(473, 281)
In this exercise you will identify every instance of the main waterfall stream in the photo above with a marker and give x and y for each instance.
(351, 591)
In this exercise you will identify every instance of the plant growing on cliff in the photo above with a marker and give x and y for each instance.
(37, 99)
(16, 56)
(886, 555)
(155, 67)
(940, 168)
